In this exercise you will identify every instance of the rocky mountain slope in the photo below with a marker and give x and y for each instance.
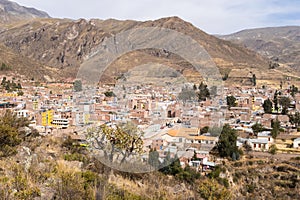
(63, 44)
(11, 12)
(281, 44)
(21, 65)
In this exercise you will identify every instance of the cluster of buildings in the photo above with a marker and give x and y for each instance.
(169, 124)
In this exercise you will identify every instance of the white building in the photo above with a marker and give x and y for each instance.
(296, 143)
(60, 123)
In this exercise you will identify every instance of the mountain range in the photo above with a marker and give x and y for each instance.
(55, 48)
(280, 44)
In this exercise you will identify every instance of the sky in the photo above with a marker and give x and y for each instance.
(212, 16)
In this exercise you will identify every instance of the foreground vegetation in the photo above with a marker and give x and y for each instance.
(48, 167)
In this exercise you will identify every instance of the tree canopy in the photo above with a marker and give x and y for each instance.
(77, 85)
(295, 119)
(268, 105)
(226, 145)
(117, 143)
(285, 103)
(231, 101)
(275, 124)
(203, 92)
(257, 128)
(10, 134)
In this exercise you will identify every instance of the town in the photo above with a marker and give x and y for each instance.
(181, 120)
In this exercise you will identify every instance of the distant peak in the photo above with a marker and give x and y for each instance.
(11, 12)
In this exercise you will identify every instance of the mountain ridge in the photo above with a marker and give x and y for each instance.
(11, 12)
(63, 43)
(280, 44)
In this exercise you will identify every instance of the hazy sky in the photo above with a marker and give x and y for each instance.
(212, 16)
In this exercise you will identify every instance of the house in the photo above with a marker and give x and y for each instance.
(200, 160)
(184, 135)
(296, 143)
(202, 139)
(23, 113)
(259, 144)
(157, 144)
(265, 134)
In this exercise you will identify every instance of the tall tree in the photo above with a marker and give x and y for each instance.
(203, 92)
(275, 100)
(285, 103)
(154, 158)
(275, 124)
(294, 90)
(254, 79)
(267, 105)
(226, 145)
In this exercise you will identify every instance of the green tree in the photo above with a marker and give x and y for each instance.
(275, 128)
(253, 80)
(77, 85)
(175, 167)
(257, 128)
(188, 174)
(268, 105)
(203, 92)
(293, 90)
(154, 158)
(166, 168)
(204, 130)
(231, 101)
(295, 119)
(273, 149)
(285, 103)
(275, 100)
(10, 136)
(109, 94)
(226, 145)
